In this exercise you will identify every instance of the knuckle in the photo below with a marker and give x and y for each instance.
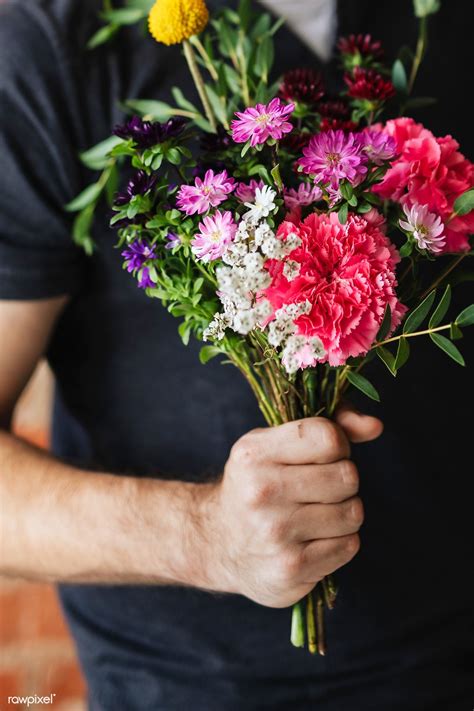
(331, 439)
(352, 545)
(246, 451)
(356, 508)
(289, 565)
(259, 493)
(350, 475)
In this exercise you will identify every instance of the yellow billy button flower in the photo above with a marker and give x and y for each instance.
(173, 21)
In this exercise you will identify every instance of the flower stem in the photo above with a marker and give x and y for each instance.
(419, 53)
(199, 82)
(205, 57)
(412, 335)
(320, 622)
(444, 274)
(311, 624)
(297, 625)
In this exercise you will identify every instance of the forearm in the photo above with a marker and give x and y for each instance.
(60, 523)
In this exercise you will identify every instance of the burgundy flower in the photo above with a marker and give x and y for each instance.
(139, 184)
(360, 44)
(296, 141)
(302, 85)
(369, 84)
(148, 133)
(335, 124)
(334, 108)
(216, 142)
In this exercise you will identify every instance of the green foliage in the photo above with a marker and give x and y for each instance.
(418, 315)
(399, 77)
(448, 347)
(362, 384)
(464, 203)
(88, 196)
(440, 312)
(466, 317)
(387, 358)
(423, 8)
(97, 157)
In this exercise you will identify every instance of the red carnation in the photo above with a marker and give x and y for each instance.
(369, 84)
(360, 44)
(302, 85)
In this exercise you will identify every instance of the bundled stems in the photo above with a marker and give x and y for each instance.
(199, 82)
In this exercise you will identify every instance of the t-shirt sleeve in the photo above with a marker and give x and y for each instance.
(39, 169)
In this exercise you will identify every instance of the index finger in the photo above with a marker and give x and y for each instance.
(313, 440)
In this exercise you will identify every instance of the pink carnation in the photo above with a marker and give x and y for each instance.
(206, 193)
(430, 171)
(215, 234)
(245, 192)
(347, 273)
(261, 122)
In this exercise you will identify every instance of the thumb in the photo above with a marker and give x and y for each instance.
(357, 426)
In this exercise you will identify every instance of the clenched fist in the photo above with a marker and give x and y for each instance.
(286, 512)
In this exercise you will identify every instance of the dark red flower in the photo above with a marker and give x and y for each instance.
(334, 109)
(360, 44)
(369, 84)
(295, 141)
(148, 133)
(335, 124)
(302, 85)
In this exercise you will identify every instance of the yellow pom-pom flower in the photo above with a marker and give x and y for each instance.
(173, 21)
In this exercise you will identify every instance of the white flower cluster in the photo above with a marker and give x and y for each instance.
(242, 278)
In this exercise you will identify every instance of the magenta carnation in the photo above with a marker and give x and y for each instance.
(334, 156)
(347, 273)
(216, 232)
(430, 171)
(258, 123)
(206, 193)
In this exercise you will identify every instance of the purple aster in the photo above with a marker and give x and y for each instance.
(137, 253)
(139, 184)
(148, 133)
(304, 196)
(144, 281)
(173, 240)
(377, 145)
(333, 156)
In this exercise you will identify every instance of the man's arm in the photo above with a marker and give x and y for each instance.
(284, 514)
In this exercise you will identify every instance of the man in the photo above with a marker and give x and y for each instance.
(136, 555)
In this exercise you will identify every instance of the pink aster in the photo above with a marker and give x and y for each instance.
(347, 273)
(216, 232)
(245, 192)
(426, 227)
(205, 193)
(378, 146)
(304, 196)
(333, 156)
(258, 123)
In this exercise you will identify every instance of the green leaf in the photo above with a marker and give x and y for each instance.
(158, 110)
(385, 325)
(448, 347)
(362, 384)
(346, 190)
(342, 213)
(466, 317)
(112, 184)
(245, 13)
(455, 332)
(208, 352)
(387, 358)
(103, 35)
(184, 330)
(173, 156)
(97, 157)
(81, 230)
(217, 105)
(124, 16)
(440, 311)
(403, 353)
(399, 77)
(182, 101)
(264, 58)
(406, 249)
(419, 314)
(464, 203)
(85, 198)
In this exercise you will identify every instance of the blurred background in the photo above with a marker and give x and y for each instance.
(37, 655)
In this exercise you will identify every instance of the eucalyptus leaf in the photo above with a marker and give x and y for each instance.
(448, 347)
(403, 353)
(466, 317)
(362, 384)
(419, 314)
(440, 311)
(85, 198)
(387, 358)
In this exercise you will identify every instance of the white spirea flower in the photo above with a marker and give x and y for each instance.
(216, 329)
(302, 352)
(263, 204)
(291, 269)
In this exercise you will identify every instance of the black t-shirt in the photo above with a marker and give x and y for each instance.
(132, 399)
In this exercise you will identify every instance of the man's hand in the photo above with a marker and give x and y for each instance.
(286, 512)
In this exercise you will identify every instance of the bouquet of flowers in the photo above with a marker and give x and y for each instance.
(298, 233)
